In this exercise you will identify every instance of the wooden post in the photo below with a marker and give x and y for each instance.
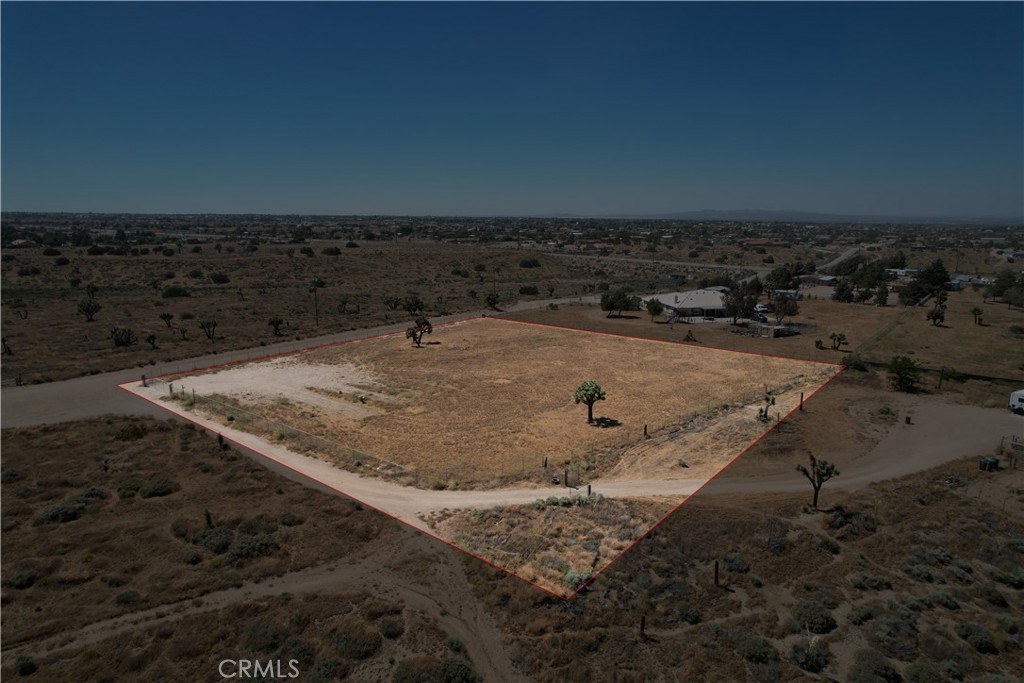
(645, 432)
(588, 490)
(567, 478)
(545, 462)
(144, 381)
(643, 625)
(170, 388)
(801, 401)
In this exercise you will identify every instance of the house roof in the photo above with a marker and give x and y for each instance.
(697, 298)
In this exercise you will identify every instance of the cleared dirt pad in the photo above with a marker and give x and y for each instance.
(489, 399)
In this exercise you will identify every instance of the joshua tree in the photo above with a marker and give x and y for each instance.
(492, 300)
(167, 318)
(416, 333)
(590, 392)
(276, 324)
(6, 347)
(819, 472)
(151, 340)
(838, 339)
(413, 305)
(976, 312)
(762, 413)
(89, 309)
(209, 328)
(91, 290)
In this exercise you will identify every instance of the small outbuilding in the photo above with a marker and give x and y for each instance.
(1017, 402)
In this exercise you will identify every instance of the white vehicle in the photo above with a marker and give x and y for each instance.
(1017, 402)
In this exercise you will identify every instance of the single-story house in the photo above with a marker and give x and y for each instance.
(697, 303)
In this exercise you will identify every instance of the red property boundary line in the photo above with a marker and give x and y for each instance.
(450, 323)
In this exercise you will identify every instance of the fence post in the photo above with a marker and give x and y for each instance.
(170, 388)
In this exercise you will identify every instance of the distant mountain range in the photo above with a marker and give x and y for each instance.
(811, 217)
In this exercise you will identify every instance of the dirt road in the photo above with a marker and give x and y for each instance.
(939, 433)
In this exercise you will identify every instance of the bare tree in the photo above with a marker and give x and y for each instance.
(151, 340)
(276, 323)
(167, 318)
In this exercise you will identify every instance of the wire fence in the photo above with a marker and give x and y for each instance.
(275, 431)
(573, 466)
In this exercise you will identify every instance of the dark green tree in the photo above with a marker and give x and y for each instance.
(590, 392)
(619, 300)
(655, 308)
(904, 374)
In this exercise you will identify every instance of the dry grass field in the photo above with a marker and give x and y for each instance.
(242, 292)
(485, 400)
(991, 348)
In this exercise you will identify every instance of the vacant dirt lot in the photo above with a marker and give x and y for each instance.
(488, 399)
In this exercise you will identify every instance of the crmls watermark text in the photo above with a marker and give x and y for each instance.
(254, 668)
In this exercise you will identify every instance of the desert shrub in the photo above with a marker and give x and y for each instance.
(528, 290)
(132, 432)
(193, 558)
(865, 581)
(814, 617)
(25, 666)
(392, 627)
(813, 657)
(991, 595)
(72, 508)
(28, 270)
(249, 547)
(854, 362)
(298, 649)
(51, 251)
(454, 644)
(326, 670)
(127, 598)
(735, 563)
(354, 639)
(220, 278)
(574, 579)
(416, 670)
(23, 580)
(260, 524)
(923, 672)
(944, 599)
(529, 263)
(175, 291)
(331, 251)
(263, 636)
(754, 648)
(977, 636)
(688, 613)
(871, 667)
(351, 245)
(195, 274)
(920, 572)
(1014, 577)
(62, 261)
(217, 540)
(456, 671)
(156, 488)
(288, 519)
(896, 637)
(7, 476)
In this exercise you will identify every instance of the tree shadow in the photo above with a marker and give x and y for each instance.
(624, 317)
(606, 422)
(432, 343)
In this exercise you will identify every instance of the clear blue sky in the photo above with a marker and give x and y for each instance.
(513, 108)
